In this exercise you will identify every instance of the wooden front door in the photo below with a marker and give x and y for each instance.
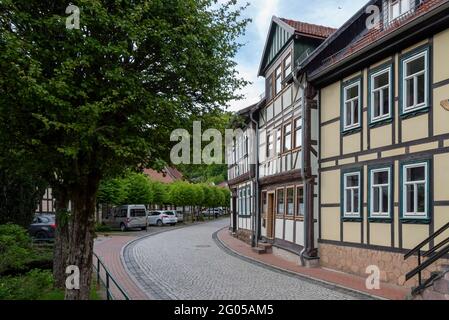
(270, 216)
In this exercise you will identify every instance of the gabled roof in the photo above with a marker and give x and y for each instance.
(366, 39)
(167, 175)
(309, 29)
(289, 28)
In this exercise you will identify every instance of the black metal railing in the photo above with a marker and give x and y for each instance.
(432, 255)
(390, 22)
(105, 278)
(303, 57)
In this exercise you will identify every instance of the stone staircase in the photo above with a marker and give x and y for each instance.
(438, 288)
(263, 248)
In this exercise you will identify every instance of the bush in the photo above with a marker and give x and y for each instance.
(15, 247)
(102, 228)
(34, 285)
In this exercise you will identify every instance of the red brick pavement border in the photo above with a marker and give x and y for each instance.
(109, 250)
(340, 279)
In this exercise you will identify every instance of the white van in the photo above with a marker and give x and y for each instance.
(128, 217)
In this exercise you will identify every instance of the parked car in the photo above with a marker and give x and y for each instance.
(162, 217)
(180, 216)
(213, 212)
(43, 227)
(128, 217)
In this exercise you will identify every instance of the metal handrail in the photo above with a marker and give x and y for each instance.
(422, 244)
(427, 263)
(432, 255)
(106, 283)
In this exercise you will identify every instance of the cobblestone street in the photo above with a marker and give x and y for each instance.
(188, 264)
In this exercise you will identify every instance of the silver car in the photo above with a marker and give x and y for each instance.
(127, 217)
(179, 215)
(162, 217)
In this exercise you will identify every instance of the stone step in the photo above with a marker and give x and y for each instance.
(429, 294)
(268, 247)
(444, 267)
(442, 286)
(259, 250)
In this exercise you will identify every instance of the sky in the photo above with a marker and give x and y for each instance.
(332, 13)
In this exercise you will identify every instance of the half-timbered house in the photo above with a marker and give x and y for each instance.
(384, 139)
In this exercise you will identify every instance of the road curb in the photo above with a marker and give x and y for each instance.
(131, 275)
(324, 283)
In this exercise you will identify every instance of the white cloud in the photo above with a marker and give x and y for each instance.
(265, 9)
(329, 12)
(252, 91)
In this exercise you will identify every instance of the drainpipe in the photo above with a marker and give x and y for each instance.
(256, 222)
(302, 88)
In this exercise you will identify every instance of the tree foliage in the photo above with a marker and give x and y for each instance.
(22, 186)
(89, 103)
(137, 188)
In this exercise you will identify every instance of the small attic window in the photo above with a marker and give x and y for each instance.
(399, 8)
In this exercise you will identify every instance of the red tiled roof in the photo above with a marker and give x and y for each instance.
(310, 29)
(224, 184)
(376, 34)
(168, 175)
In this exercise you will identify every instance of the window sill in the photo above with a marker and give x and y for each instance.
(414, 113)
(346, 219)
(351, 131)
(415, 221)
(380, 220)
(380, 123)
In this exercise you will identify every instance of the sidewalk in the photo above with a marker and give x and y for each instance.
(109, 250)
(344, 280)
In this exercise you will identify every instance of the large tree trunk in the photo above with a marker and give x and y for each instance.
(61, 237)
(81, 236)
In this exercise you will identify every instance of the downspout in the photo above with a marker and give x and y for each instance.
(302, 88)
(255, 235)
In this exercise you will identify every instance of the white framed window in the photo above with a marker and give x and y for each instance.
(287, 66)
(351, 201)
(398, 7)
(380, 193)
(415, 190)
(290, 201)
(298, 133)
(300, 201)
(248, 200)
(278, 81)
(381, 95)
(287, 137)
(280, 202)
(351, 107)
(415, 84)
(278, 141)
(270, 145)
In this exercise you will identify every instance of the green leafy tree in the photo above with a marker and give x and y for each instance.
(226, 197)
(112, 191)
(90, 102)
(181, 193)
(160, 193)
(138, 189)
(22, 186)
(219, 197)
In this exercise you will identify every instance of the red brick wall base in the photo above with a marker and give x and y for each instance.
(244, 235)
(392, 266)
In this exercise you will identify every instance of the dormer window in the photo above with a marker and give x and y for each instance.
(398, 8)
